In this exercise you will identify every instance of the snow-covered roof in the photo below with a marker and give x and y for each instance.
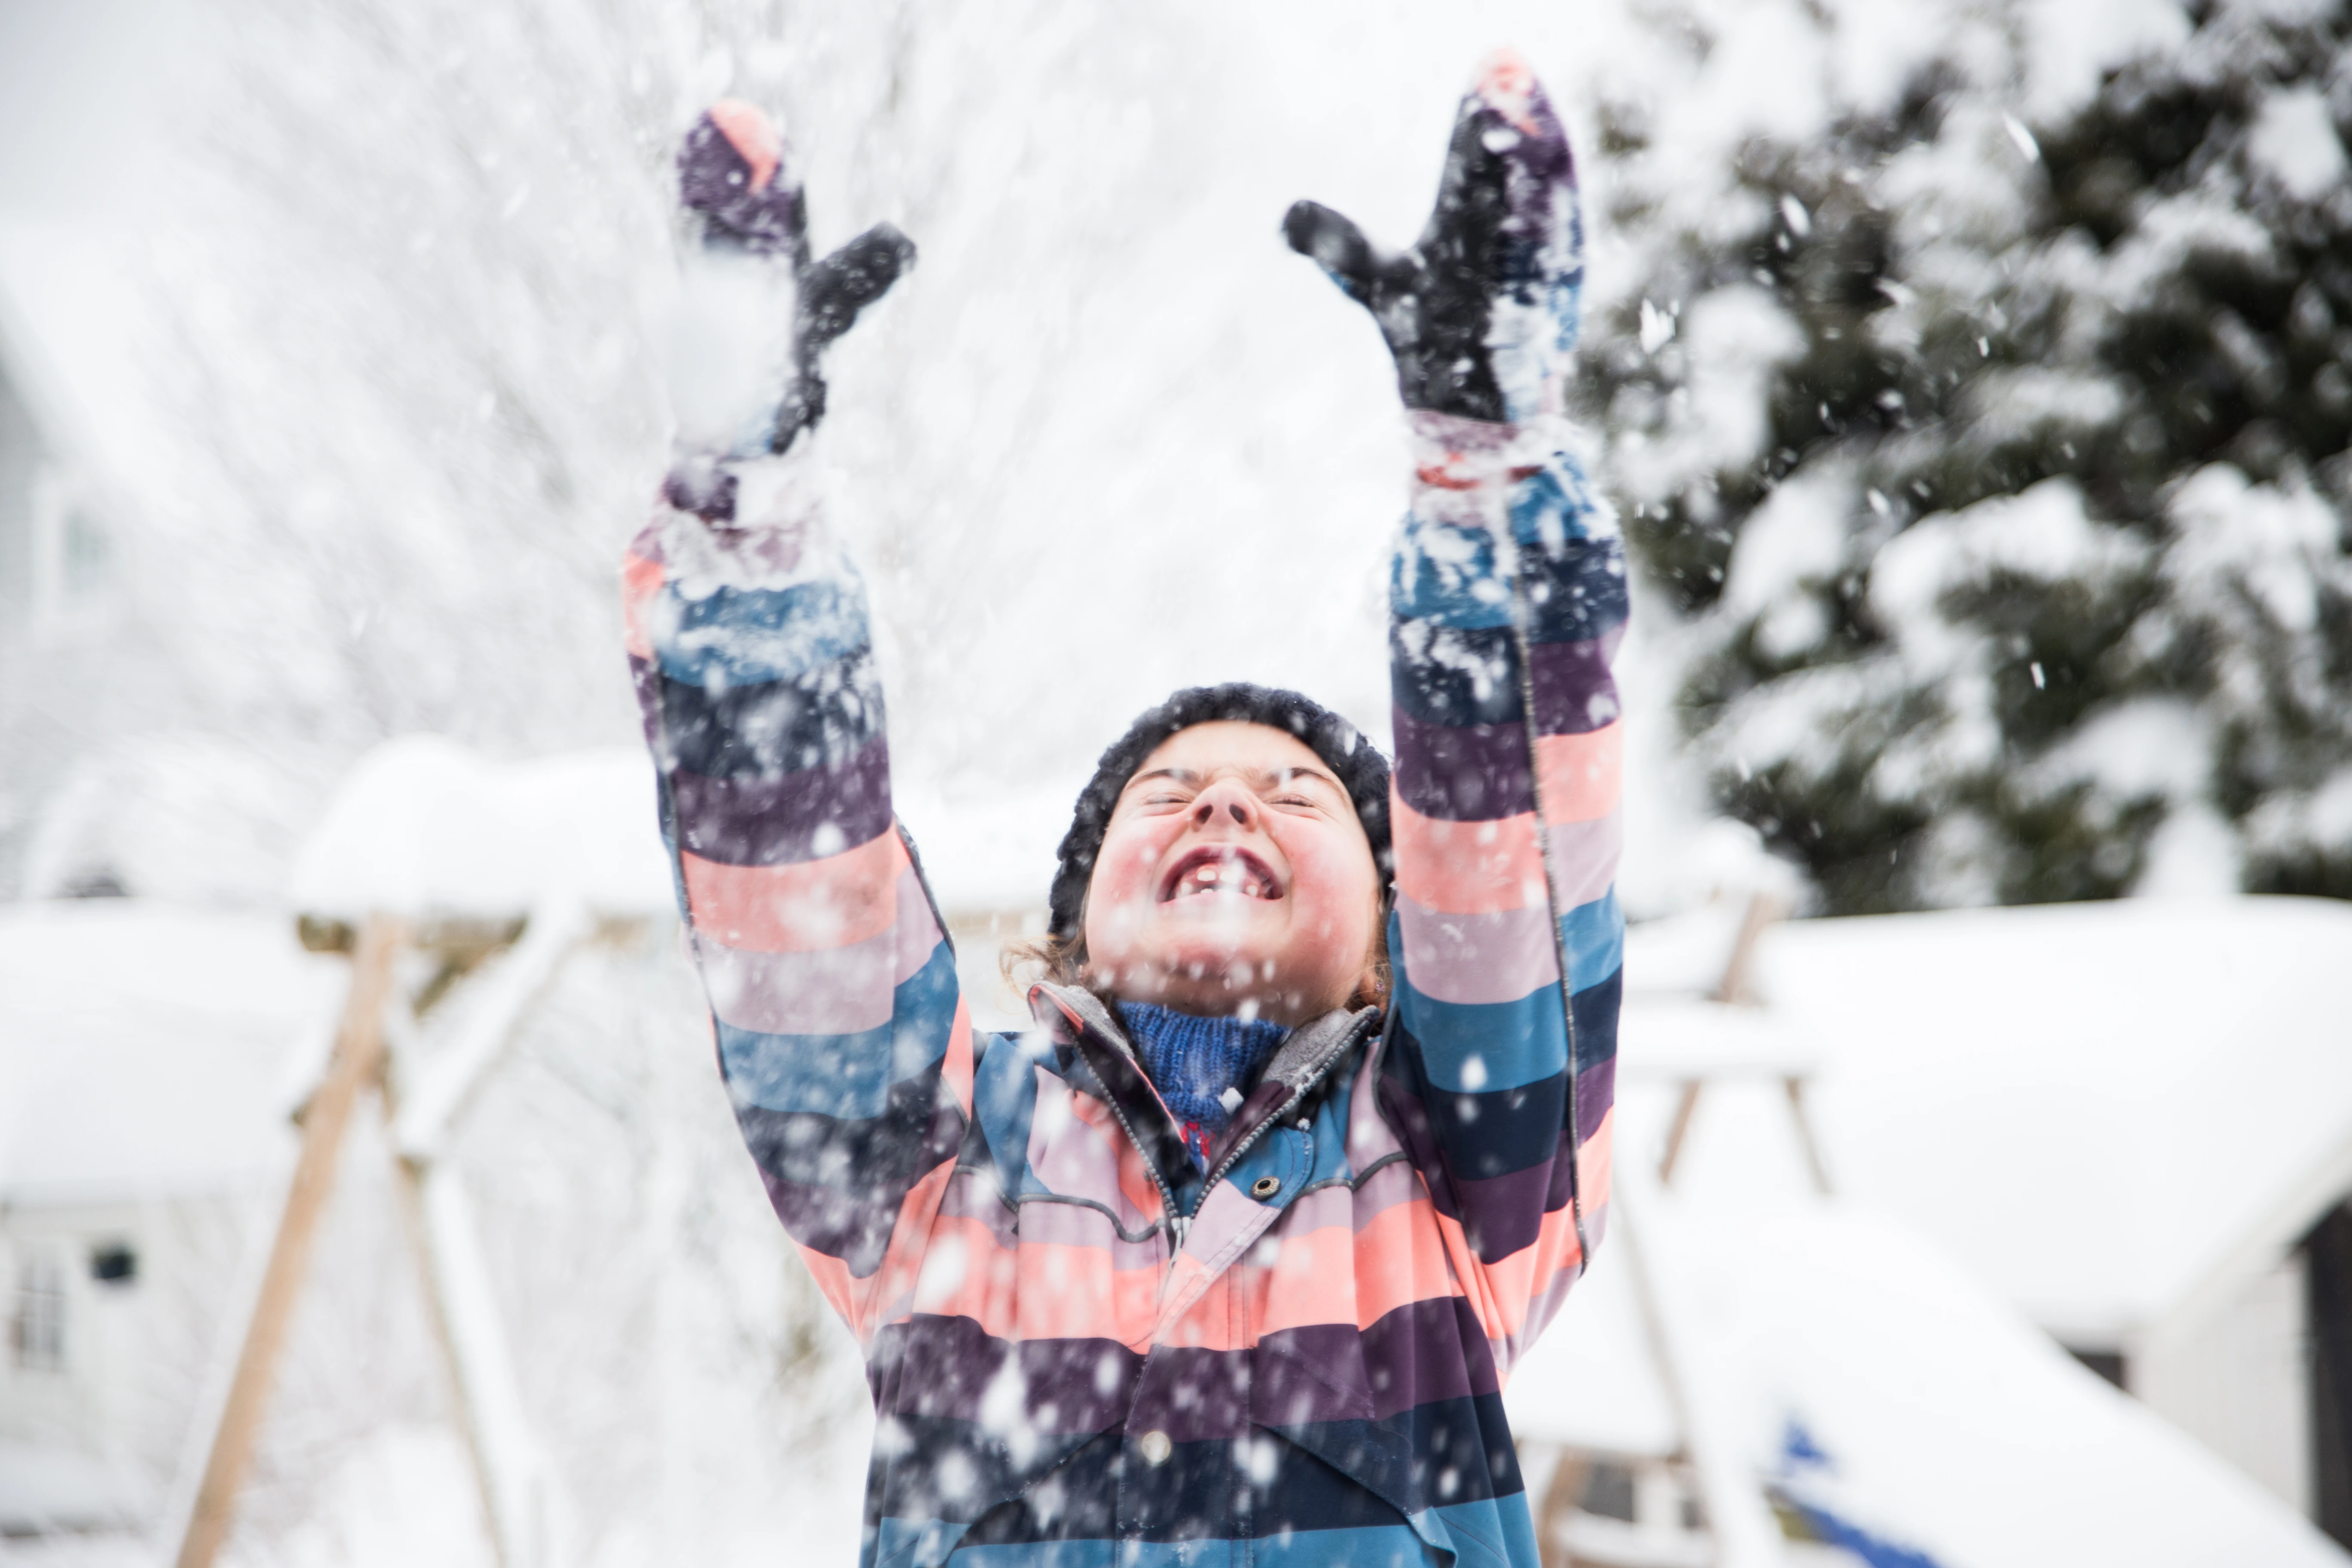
(422, 826)
(2091, 1105)
(145, 1050)
(1869, 1378)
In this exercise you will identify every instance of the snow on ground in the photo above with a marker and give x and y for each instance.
(405, 1498)
(992, 855)
(46, 1485)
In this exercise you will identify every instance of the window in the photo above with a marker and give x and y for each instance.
(2107, 1363)
(69, 551)
(113, 1263)
(38, 1328)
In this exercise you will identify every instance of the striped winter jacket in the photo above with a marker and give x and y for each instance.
(1084, 1351)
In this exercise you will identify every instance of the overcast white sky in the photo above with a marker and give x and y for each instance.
(83, 86)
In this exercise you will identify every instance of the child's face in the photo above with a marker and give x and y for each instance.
(1233, 872)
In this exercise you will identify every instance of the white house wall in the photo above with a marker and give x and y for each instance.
(20, 465)
(133, 1352)
(2240, 1386)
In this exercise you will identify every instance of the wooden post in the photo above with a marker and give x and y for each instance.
(1737, 985)
(1562, 1499)
(1795, 1087)
(1746, 1535)
(358, 1058)
(507, 1470)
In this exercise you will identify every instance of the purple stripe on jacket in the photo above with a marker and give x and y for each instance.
(852, 1226)
(1596, 1093)
(1194, 1395)
(856, 1225)
(1503, 1214)
(945, 1367)
(1466, 772)
(1574, 691)
(785, 819)
(1421, 1352)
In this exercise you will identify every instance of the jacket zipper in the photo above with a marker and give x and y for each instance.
(1522, 614)
(1234, 1154)
(1178, 1224)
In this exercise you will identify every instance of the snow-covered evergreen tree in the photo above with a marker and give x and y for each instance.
(2001, 457)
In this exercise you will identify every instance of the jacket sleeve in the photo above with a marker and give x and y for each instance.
(1508, 599)
(843, 1039)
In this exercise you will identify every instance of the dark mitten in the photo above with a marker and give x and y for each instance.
(1482, 313)
(754, 283)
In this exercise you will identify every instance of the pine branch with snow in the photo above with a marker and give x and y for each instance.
(2001, 460)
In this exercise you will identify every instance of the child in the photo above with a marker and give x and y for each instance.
(1226, 1259)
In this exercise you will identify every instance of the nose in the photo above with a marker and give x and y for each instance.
(1224, 801)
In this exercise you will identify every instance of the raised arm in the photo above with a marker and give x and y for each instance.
(840, 1031)
(1507, 601)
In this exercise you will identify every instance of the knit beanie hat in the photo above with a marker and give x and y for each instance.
(1354, 761)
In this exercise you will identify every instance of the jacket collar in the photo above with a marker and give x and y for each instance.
(1087, 1023)
(1295, 1067)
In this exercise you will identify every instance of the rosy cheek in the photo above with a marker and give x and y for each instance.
(1330, 885)
(1129, 859)
(1121, 891)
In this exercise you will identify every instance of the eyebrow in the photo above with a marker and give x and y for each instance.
(1257, 777)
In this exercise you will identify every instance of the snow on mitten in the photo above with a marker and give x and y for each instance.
(756, 314)
(1482, 312)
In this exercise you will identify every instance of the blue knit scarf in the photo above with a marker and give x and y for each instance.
(1193, 1061)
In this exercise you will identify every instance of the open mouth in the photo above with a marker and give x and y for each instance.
(1220, 869)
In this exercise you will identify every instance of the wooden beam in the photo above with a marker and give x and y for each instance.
(503, 998)
(357, 1058)
(1685, 1107)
